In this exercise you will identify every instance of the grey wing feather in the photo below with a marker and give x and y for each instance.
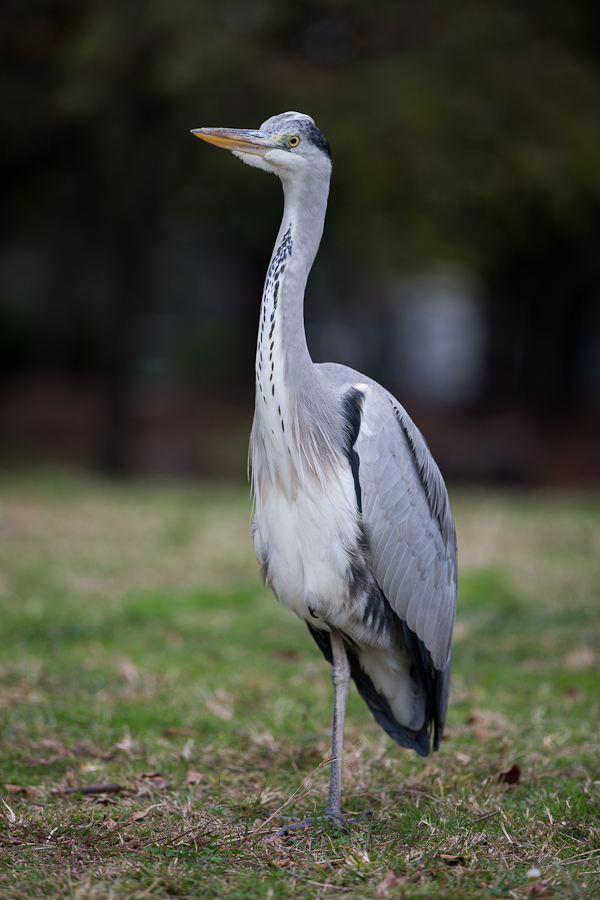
(404, 497)
(413, 542)
(405, 505)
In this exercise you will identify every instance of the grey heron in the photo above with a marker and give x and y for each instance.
(352, 528)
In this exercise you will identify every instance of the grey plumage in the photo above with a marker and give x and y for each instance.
(411, 531)
(353, 528)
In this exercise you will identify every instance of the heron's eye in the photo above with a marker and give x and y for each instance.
(293, 141)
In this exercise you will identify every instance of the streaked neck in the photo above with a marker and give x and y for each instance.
(282, 356)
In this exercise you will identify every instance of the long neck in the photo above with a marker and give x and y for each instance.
(282, 357)
(295, 423)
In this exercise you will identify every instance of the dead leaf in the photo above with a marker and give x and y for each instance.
(142, 813)
(283, 863)
(194, 777)
(539, 890)
(174, 731)
(110, 824)
(451, 860)
(390, 882)
(155, 779)
(19, 789)
(509, 776)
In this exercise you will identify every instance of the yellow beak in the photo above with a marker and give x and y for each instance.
(239, 140)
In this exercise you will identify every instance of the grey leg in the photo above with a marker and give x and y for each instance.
(340, 676)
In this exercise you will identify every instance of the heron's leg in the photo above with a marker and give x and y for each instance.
(340, 676)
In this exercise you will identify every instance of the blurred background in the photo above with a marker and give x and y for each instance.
(459, 267)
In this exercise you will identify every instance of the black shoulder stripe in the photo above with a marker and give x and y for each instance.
(352, 403)
(355, 465)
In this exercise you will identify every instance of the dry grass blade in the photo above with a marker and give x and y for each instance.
(299, 794)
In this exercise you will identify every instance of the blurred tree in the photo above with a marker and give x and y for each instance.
(461, 130)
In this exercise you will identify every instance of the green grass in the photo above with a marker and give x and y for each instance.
(138, 645)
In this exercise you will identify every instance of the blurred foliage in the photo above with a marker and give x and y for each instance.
(456, 126)
(461, 131)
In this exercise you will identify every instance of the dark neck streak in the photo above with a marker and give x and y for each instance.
(293, 402)
(283, 299)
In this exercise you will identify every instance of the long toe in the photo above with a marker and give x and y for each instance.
(335, 819)
(294, 825)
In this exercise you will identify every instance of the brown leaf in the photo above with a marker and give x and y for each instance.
(451, 860)
(540, 890)
(19, 789)
(390, 882)
(155, 779)
(283, 863)
(194, 777)
(142, 813)
(174, 731)
(509, 776)
(110, 824)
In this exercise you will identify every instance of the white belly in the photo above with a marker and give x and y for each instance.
(302, 540)
(303, 546)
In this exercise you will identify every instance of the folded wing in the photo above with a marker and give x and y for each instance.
(413, 541)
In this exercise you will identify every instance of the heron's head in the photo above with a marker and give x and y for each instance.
(288, 145)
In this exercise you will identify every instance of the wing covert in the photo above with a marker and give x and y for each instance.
(405, 506)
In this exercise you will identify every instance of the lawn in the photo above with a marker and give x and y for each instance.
(140, 650)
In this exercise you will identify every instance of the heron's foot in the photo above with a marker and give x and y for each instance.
(296, 824)
(337, 819)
